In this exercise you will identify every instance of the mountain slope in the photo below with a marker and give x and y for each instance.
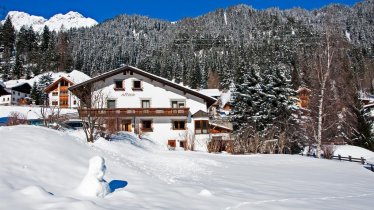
(55, 23)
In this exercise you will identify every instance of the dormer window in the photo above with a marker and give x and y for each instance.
(118, 85)
(137, 85)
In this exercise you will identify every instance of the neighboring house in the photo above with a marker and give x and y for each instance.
(5, 96)
(303, 97)
(19, 93)
(369, 111)
(58, 93)
(366, 98)
(149, 105)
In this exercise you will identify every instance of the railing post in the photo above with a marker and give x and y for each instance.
(362, 161)
(350, 158)
(340, 157)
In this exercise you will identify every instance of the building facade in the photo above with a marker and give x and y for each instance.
(136, 101)
(58, 92)
(60, 96)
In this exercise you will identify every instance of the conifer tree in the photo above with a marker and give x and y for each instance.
(18, 68)
(35, 94)
(8, 37)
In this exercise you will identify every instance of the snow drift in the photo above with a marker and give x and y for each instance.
(44, 167)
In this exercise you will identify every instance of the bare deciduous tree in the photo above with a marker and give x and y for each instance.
(91, 110)
(16, 118)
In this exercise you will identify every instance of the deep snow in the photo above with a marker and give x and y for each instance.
(41, 168)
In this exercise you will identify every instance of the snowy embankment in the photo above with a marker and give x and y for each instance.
(42, 169)
(31, 112)
(353, 151)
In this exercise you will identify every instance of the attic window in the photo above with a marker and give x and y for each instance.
(137, 85)
(118, 85)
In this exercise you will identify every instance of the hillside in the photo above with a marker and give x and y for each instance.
(45, 166)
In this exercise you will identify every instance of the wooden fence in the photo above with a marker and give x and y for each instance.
(350, 159)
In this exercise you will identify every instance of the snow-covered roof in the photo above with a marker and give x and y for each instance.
(220, 126)
(75, 76)
(368, 105)
(16, 84)
(303, 89)
(210, 92)
(225, 98)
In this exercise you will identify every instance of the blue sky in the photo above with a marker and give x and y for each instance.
(171, 10)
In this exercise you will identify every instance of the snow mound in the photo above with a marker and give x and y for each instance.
(205, 192)
(353, 151)
(35, 191)
(93, 183)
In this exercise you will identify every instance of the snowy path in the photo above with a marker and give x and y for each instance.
(44, 167)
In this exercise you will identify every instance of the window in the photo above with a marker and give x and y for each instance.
(118, 85)
(179, 125)
(146, 104)
(13, 99)
(63, 102)
(177, 104)
(111, 104)
(147, 125)
(19, 94)
(201, 126)
(54, 93)
(63, 83)
(54, 103)
(75, 102)
(137, 85)
(3, 99)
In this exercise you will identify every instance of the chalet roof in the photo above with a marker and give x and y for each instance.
(220, 126)
(215, 93)
(49, 88)
(167, 82)
(73, 78)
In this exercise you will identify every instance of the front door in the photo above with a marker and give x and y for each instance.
(126, 125)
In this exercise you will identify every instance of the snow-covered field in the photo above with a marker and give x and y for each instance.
(31, 112)
(42, 168)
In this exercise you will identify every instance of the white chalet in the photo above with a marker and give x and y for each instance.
(149, 105)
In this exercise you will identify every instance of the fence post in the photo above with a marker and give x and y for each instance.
(362, 161)
(350, 158)
(340, 157)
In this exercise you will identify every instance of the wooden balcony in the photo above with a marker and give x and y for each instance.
(134, 112)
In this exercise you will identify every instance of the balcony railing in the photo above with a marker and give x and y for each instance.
(133, 112)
